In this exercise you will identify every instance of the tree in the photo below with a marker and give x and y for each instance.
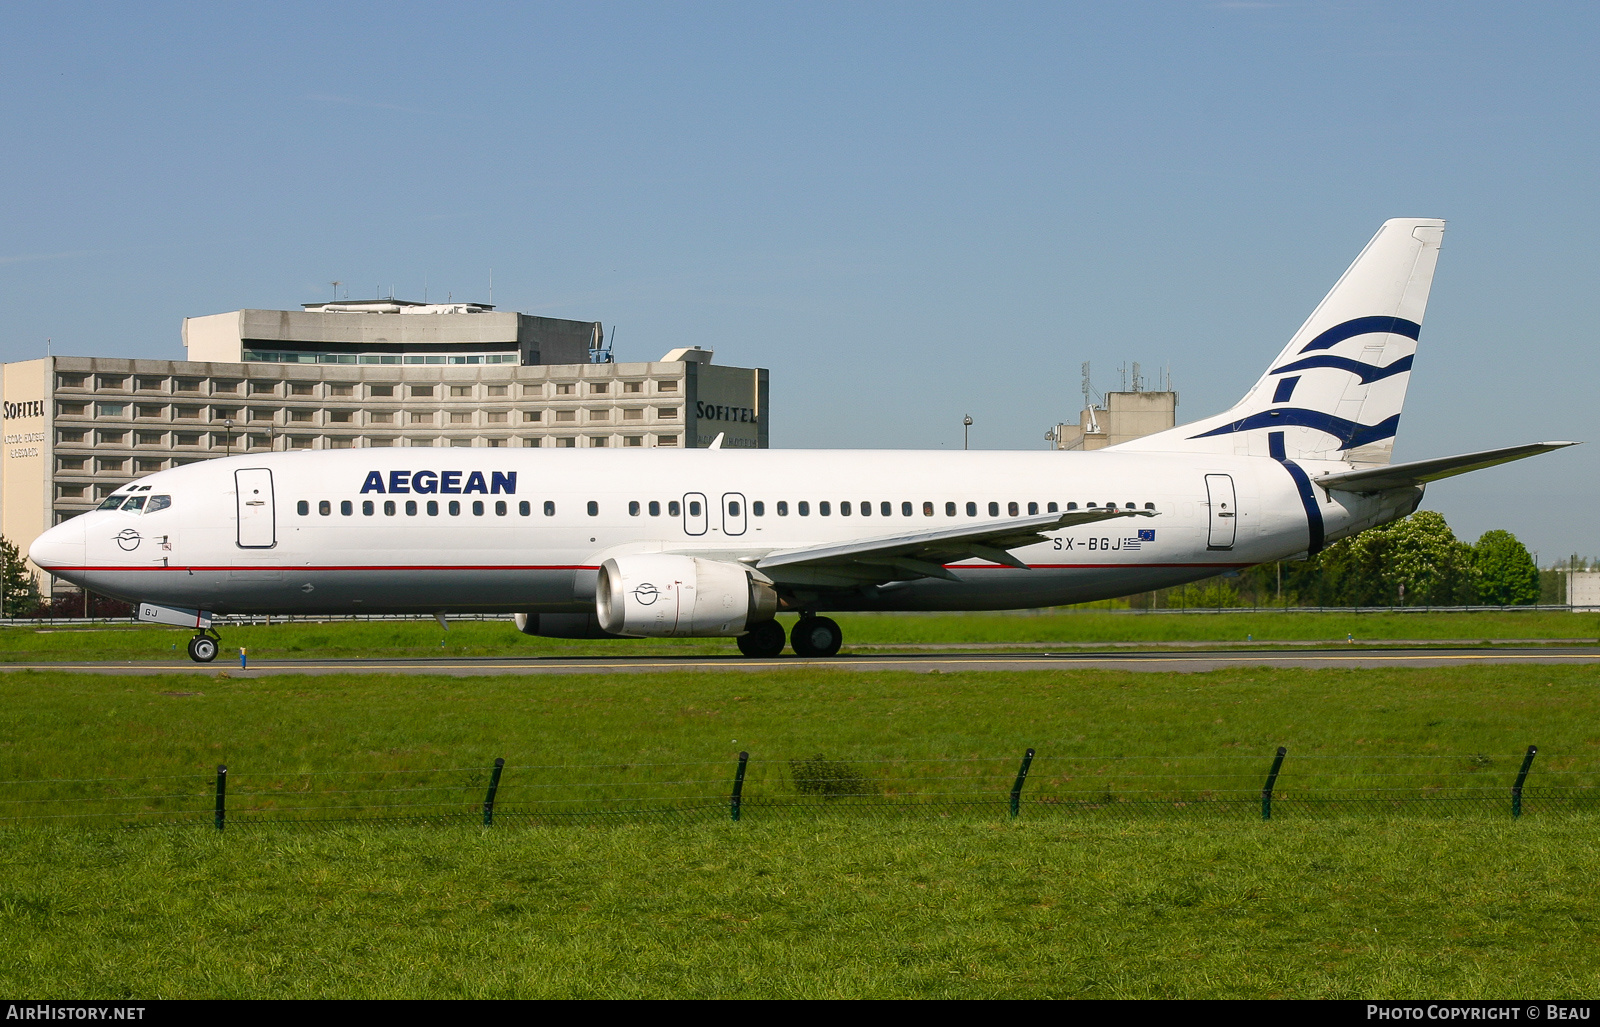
(1506, 573)
(1416, 561)
(21, 588)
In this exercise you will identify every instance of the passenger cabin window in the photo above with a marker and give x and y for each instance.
(303, 508)
(972, 509)
(886, 509)
(1072, 506)
(388, 508)
(633, 508)
(499, 508)
(549, 508)
(694, 508)
(411, 508)
(454, 508)
(324, 508)
(655, 508)
(525, 508)
(783, 508)
(1011, 509)
(758, 508)
(927, 509)
(949, 509)
(477, 508)
(994, 509)
(824, 508)
(844, 509)
(367, 509)
(1147, 506)
(433, 508)
(804, 508)
(672, 508)
(1033, 508)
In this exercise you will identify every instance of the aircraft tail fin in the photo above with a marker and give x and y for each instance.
(1336, 390)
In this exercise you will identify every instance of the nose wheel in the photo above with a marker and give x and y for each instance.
(816, 636)
(203, 648)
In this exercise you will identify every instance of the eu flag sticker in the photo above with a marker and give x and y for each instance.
(1147, 534)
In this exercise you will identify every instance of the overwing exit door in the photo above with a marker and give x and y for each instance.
(258, 517)
(695, 515)
(1224, 511)
(733, 513)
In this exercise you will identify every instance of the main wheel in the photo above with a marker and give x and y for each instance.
(816, 636)
(763, 640)
(202, 648)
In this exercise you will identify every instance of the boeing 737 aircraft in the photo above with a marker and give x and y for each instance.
(601, 543)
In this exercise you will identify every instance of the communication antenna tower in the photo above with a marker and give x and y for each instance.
(336, 283)
(1138, 382)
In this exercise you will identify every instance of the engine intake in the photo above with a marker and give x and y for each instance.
(653, 595)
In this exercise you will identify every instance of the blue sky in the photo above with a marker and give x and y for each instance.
(909, 212)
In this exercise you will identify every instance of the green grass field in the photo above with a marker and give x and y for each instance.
(863, 632)
(824, 901)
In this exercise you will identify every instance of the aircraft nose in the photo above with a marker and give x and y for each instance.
(60, 547)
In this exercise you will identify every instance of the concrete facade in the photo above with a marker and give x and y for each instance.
(1125, 417)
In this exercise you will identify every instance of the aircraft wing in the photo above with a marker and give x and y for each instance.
(1420, 472)
(923, 554)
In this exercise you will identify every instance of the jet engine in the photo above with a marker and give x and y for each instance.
(560, 625)
(654, 595)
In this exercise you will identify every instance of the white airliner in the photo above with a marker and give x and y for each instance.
(601, 543)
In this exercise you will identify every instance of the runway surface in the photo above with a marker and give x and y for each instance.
(938, 662)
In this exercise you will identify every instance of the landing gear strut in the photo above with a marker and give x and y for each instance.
(762, 640)
(203, 647)
(816, 636)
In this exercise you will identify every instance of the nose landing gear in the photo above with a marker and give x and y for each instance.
(203, 647)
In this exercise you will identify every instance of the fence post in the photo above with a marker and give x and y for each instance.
(1016, 787)
(1522, 775)
(222, 794)
(1272, 779)
(494, 785)
(738, 785)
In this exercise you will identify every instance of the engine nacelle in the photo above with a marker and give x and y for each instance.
(654, 595)
(560, 625)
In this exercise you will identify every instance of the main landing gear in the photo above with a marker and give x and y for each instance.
(812, 636)
(203, 647)
(816, 636)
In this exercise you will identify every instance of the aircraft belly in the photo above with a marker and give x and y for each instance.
(1006, 588)
(348, 590)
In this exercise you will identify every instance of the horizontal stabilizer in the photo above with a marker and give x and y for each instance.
(1420, 472)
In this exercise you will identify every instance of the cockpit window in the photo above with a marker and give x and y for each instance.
(134, 504)
(158, 503)
(112, 503)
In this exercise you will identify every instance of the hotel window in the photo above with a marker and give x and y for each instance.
(633, 440)
(667, 412)
(530, 415)
(380, 391)
(496, 391)
(666, 386)
(70, 381)
(666, 440)
(151, 438)
(564, 388)
(151, 384)
(566, 415)
(460, 417)
(186, 384)
(418, 417)
(112, 437)
(633, 414)
(224, 387)
(380, 417)
(599, 415)
(460, 390)
(633, 386)
(599, 442)
(422, 390)
(109, 409)
(495, 417)
(263, 388)
(147, 466)
(301, 416)
(70, 436)
(73, 409)
(110, 381)
(74, 463)
(599, 388)
(301, 388)
(341, 390)
(340, 416)
(568, 443)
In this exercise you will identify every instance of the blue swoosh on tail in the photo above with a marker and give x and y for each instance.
(1349, 433)
(1362, 326)
(1368, 373)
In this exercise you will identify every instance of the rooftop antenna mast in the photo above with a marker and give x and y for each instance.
(1138, 383)
(1091, 425)
(336, 283)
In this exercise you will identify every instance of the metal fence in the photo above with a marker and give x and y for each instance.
(1274, 785)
